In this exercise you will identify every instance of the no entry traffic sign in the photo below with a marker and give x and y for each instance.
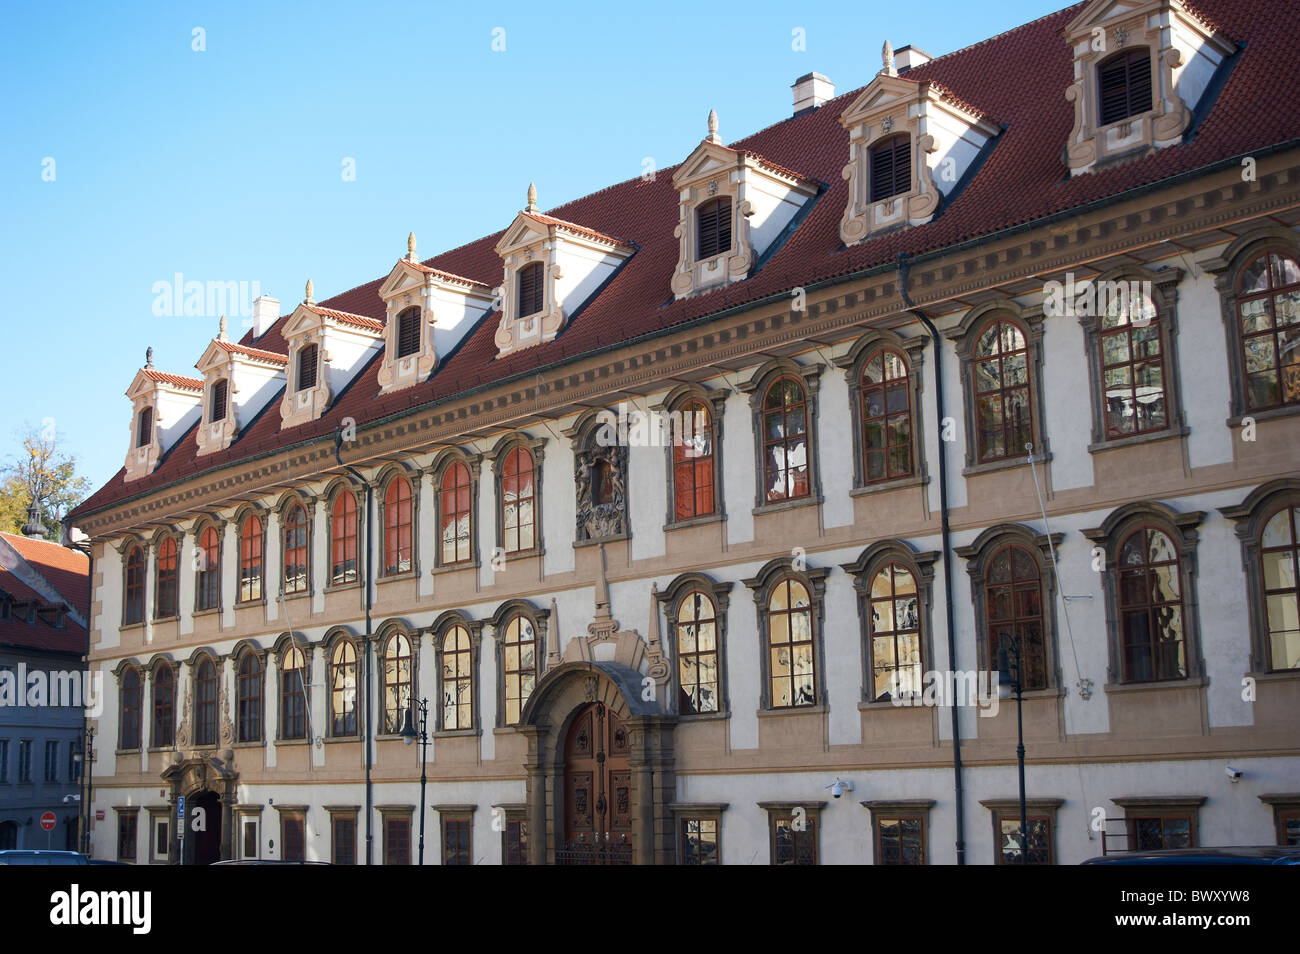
(48, 821)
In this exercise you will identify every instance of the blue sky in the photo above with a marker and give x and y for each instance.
(226, 164)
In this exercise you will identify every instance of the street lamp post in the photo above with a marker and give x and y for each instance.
(1009, 665)
(87, 759)
(409, 736)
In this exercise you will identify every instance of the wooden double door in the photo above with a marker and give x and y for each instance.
(597, 790)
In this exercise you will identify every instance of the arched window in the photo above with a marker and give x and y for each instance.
(397, 526)
(697, 653)
(792, 652)
(518, 493)
(895, 631)
(1132, 367)
(1001, 374)
(165, 604)
(408, 332)
(293, 694)
(693, 462)
(519, 665)
(455, 514)
(1152, 632)
(248, 693)
(250, 558)
(295, 550)
(205, 703)
(713, 227)
(133, 604)
(308, 359)
(1124, 85)
(130, 703)
(343, 689)
(785, 441)
(164, 706)
(886, 418)
(1268, 307)
(1013, 595)
(144, 427)
(209, 575)
(1279, 553)
(530, 289)
(891, 167)
(457, 676)
(343, 539)
(397, 681)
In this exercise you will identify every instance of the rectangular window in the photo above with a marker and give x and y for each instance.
(794, 838)
(219, 391)
(4, 760)
(408, 333)
(1153, 832)
(900, 840)
(455, 840)
(514, 842)
(161, 830)
(343, 838)
(1038, 843)
(293, 837)
(126, 836)
(248, 841)
(397, 839)
(1288, 826)
(699, 840)
(307, 361)
(25, 760)
(74, 762)
(51, 761)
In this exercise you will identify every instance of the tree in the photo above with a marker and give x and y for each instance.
(42, 473)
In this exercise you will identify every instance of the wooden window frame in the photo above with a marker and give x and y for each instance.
(809, 378)
(444, 495)
(284, 693)
(407, 341)
(514, 833)
(530, 289)
(307, 370)
(1249, 519)
(221, 390)
(896, 144)
(684, 813)
(399, 534)
(671, 599)
(773, 574)
(164, 707)
(710, 235)
(343, 851)
(500, 621)
(453, 821)
(916, 809)
(396, 817)
(250, 705)
(50, 769)
(344, 539)
(167, 562)
(443, 629)
(336, 670)
(498, 459)
(205, 710)
(1128, 59)
(1181, 529)
(290, 526)
(385, 684)
(134, 583)
(782, 815)
(1286, 808)
(144, 427)
(1036, 809)
(252, 553)
(713, 401)
(291, 818)
(207, 577)
(128, 819)
(1147, 807)
(129, 740)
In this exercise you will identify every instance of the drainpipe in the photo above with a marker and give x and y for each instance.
(945, 530)
(370, 760)
(87, 750)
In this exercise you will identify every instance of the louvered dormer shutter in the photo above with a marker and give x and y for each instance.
(408, 332)
(713, 226)
(891, 167)
(530, 289)
(219, 393)
(307, 367)
(1124, 85)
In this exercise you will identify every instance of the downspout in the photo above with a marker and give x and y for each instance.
(87, 751)
(946, 533)
(369, 666)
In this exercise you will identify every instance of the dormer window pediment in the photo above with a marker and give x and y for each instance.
(429, 312)
(327, 349)
(552, 268)
(238, 382)
(733, 205)
(163, 407)
(1140, 68)
(910, 143)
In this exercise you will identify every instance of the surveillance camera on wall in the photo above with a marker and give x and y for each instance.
(839, 787)
(1234, 774)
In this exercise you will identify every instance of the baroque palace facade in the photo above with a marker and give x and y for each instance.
(682, 504)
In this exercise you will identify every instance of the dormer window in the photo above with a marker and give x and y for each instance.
(308, 359)
(713, 227)
(408, 332)
(891, 167)
(1124, 85)
(220, 392)
(144, 430)
(529, 281)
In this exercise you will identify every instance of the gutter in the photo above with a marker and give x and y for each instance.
(904, 265)
(369, 664)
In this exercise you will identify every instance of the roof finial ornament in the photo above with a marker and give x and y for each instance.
(148, 357)
(713, 126)
(887, 59)
(221, 329)
(532, 198)
(311, 292)
(410, 247)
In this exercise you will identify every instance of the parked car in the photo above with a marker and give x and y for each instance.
(23, 856)
(1238, 855)
(268, 861)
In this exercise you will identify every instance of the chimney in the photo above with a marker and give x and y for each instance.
(266, 311)
(909, 58)
(810, 91)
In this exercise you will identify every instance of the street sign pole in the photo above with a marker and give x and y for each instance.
(180, 824)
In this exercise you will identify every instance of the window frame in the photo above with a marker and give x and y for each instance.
(388, 528)
(220, 388)
(400, 337)
(339, 645)
(1153, 84)
(200, 704)
(210, 567)
(670, 599)
(390, 815)
(1181, 530)
(290, 507)
(763, 379)
(713, 400)
(348, 816)
(1036, 809)
(344, 518)
(158, 718)
(497, 459)
(442, 628)
(501, 619)
(134, 595)
(162, 545)
(449, 818)
(144, 427)
(854, 363)
(129, 742)
(258, 680)
(248, 543)
(908, 808)
(128, 820)
(717, 248)
(442, 466)
(778, 813)
(293, 816)
(301, 365)
(978, 554)
(1146, 807)
(283, 692)
(892, 141)
(1164, 293)
(537, 269)
(762, 585)
(387, 638)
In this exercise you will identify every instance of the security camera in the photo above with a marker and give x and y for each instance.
(1234, 774)
(839, 787)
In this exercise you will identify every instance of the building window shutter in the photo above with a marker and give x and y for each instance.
(219, 392)
(530, 289)
(145, 432)
(713, 221)
(307, 367)
(891, 167)
(1124, 85)
(408, 333)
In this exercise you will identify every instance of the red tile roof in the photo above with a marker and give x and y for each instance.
(66, 570)
(176, 380)
(435, 271)
(347, 318)
(64, 567)
(1018, 77)
(256, 353)
(571, 227)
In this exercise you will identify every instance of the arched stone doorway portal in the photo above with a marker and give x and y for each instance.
(208, 782)
(553, 720)
(203, 845)
(597, 789)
